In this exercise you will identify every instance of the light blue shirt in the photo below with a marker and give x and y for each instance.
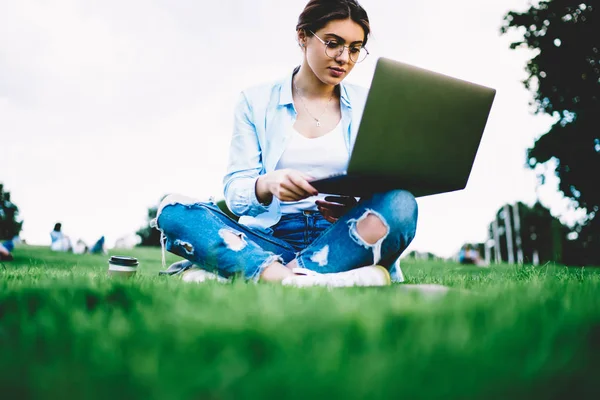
(261, 133)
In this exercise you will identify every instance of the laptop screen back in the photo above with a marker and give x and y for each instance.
(420, 130)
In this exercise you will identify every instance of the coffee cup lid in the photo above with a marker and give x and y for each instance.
(122, 260)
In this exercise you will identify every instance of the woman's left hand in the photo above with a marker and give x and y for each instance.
(333, 207)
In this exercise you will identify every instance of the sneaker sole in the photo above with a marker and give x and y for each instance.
(197, 275)
(386, 273)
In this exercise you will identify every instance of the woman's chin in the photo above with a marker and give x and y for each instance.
(333, 81)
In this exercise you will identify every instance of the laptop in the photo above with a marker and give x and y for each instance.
(420, 132)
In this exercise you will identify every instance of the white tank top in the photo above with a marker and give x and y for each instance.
(315, 157)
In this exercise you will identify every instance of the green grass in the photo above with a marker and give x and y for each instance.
(68, 331)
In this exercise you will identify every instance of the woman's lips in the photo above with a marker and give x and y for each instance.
(336, 72)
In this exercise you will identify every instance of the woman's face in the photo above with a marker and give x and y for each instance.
(332, 71)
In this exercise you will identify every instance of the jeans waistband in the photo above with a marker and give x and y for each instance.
(300, 216)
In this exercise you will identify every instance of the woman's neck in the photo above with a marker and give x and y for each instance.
(310, 86)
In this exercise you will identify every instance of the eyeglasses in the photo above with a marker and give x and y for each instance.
(334, 49)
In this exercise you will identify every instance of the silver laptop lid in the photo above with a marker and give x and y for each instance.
(420, 130)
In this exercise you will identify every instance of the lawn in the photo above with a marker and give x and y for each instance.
(68, 331)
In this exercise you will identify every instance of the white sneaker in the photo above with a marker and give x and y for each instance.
(374, 275)
(198, 275)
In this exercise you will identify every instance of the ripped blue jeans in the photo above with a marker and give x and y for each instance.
(203, 234)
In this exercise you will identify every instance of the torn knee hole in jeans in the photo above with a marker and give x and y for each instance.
(356, 236)
(185, 245)
(234, 240)
(320, 257)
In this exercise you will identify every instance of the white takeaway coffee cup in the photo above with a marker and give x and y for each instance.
(122, 266)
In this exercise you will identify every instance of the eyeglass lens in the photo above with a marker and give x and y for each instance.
(335, 49)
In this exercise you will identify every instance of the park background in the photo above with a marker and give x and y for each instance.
(107, 106)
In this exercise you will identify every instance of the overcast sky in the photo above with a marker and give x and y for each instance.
(105, 106)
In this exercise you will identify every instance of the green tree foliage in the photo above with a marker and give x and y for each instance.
(151, 236)
(540, 232)
(564, 77)
(544, 234)
(10, 226)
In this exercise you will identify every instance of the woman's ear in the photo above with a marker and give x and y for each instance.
(301, 37)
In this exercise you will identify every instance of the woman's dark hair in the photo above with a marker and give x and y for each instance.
(57, 227)
(319, 13)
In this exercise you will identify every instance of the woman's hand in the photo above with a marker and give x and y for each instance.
(333, 207)
(285, 184)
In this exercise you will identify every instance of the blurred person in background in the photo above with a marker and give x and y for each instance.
(6, 249)
(59, 241)
(469, 255)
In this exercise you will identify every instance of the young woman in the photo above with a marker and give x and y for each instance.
(286, 133)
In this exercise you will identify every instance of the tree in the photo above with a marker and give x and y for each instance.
(543, 236)
(564, 78)
(150, 236)
(543, 233)
(10, 226)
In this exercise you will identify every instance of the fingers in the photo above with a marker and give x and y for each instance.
(331, 219)
(332, 209)
(346, 200)
(292, 191)
(327, 214)
(292, 186)
(331, 206)
(289, 195)
(301, 181)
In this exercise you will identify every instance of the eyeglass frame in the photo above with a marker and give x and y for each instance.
(344, 47)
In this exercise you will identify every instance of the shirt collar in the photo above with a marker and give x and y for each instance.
(285, 91)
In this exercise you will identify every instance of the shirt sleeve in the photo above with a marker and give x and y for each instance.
(245, 164)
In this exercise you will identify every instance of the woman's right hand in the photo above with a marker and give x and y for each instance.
(285, 184)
